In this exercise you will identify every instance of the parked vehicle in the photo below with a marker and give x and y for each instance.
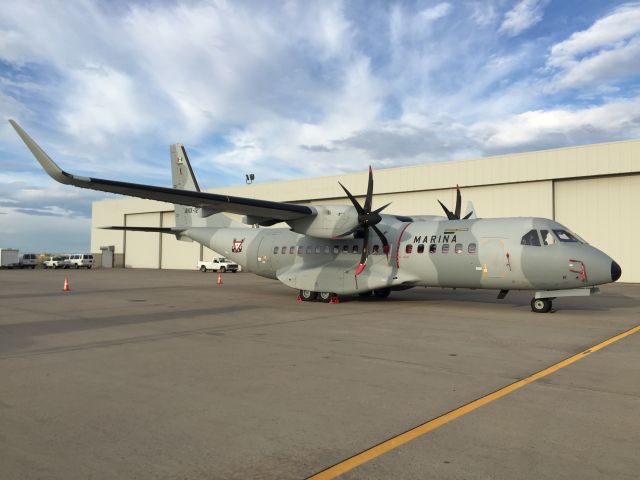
(219, 264)
(28, 260)
(56, 262)
(9, 258)
(80, 260)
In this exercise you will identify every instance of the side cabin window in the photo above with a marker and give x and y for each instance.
(345, 248)
(421, 248)
(531, 238)
(376, 249)
(275, 250)
(433, 248)
(472, 248)
(547, 237)
(354, 249)
(408, 248)
(327, 249)
(445, 248)
(459, 248)
(318, 249)
(565, 236)
(336, 249)
(309, 249)
(292, 250)
(284, 250)
(300, 250)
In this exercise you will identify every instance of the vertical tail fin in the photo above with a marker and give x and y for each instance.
(183, 178)
(181, 172)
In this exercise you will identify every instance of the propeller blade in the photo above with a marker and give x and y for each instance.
(385, 242)
(458, 202)
(353, 200)
(378, 210)
(450, 215)
(365, 253)
(369, 197)
(468, 215)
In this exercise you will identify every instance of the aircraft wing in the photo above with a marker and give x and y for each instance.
(210, 201)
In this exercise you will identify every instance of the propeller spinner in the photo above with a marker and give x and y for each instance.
(367, 219)
(456, 215)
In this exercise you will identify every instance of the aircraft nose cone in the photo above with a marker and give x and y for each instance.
(616, 271)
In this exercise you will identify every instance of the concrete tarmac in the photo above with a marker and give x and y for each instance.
(152, 374)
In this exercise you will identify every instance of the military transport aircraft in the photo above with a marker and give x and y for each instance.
(356, 249)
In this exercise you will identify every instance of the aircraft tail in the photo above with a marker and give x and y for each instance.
(183, 178)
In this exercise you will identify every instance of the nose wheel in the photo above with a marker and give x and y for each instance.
(541, 305)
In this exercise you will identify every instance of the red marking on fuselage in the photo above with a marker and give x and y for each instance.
(398, 247)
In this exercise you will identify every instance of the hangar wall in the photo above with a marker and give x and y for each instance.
(593, 189)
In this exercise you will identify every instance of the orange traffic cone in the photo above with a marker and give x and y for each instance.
(66, 285)
(219, 282)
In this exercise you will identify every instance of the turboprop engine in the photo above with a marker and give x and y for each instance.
(357, 220)
(330, 221)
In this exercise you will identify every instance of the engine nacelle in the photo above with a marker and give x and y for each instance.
(329, 221)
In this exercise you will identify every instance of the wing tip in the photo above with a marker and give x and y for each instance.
(41, 156)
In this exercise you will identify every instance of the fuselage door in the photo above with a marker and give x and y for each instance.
(265, 258)
(494, 259)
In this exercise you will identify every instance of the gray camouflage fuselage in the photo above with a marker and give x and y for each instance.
(499, 261)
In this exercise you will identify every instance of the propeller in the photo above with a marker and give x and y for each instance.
(367, 220)
(456, 215)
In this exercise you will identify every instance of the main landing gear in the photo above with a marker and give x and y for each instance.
(541, 305)
(325, 297)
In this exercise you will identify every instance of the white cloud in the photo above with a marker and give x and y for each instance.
(561, 126)
(523, 16)
(611, 31)
(104, 103)
(609, 50)
(483, 13)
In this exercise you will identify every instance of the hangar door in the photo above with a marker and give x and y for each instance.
(142, 249)
(604, 211)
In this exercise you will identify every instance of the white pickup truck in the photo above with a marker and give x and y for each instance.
(219, 264)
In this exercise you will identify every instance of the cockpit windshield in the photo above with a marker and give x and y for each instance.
(549, 237)
(530, 238)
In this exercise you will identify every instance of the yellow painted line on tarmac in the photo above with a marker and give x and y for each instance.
(394, 442)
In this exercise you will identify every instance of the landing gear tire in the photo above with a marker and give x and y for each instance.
(203, 269)
(325, 297)
(308, 295)
(540, 305)
(223, 269)
(382, 293)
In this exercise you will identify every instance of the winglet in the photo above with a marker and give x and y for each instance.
(49, 165)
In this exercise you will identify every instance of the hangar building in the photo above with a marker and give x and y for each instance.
(594, 190)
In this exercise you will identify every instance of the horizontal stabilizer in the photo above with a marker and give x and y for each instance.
(171, 231)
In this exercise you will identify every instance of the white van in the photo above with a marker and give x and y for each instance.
(28, 260)
(78, 260)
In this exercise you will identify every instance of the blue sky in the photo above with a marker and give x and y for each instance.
(295, 89)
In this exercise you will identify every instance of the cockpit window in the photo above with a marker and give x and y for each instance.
(547, 237)
(565, 236)
(531, 238)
